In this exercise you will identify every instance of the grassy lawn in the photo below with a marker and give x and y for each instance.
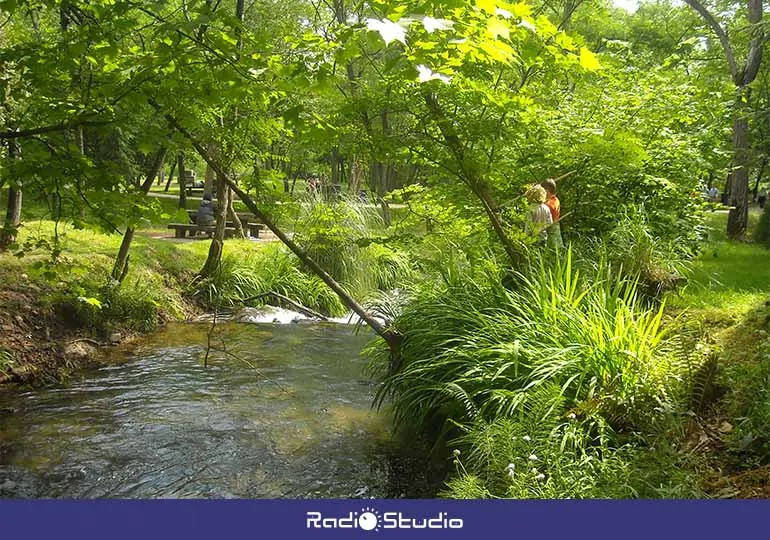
(729, 277)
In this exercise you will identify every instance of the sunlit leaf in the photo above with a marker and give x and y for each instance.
(388, 30)
(588, 60)
(497, 28)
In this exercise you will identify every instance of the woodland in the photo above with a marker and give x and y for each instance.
(386, 147)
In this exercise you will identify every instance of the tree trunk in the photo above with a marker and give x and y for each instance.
(737, 219)
(208, 181)
(12, 218)
(120, 268)
(761, 170)
(182, 182)
(239, 233)
(170, 176)
(742, 78)
(215, 249)
(13, 208)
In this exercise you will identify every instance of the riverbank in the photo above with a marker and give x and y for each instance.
(59, 307)
(60, 304)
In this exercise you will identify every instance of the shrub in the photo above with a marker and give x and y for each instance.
(477, 351)
(634, 249)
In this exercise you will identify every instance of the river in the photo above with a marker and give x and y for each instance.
(281, 411)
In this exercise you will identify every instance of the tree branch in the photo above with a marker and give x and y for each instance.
(20, 134)
(721, 34)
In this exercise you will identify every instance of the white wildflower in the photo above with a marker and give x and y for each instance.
(572, 416)
(527, 438)
(532, 457)
(456, 452)
(540, 476)
(510, 470)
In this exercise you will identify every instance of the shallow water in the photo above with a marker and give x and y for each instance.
(280, 411)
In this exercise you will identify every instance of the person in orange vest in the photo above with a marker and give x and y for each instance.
(552, 201)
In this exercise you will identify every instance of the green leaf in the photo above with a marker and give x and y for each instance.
(497, 28)
(588, 60)
(90, 301)
(487, 5)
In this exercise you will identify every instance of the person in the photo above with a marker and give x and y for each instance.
(312, 185)
(204, 217)
(713, 194)
(553, 204)
(762, 198)
(538, 215)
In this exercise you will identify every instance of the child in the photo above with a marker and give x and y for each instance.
(552, 201)
(538, 215)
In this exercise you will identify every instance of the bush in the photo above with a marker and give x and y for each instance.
(632, 248)
(477, 351)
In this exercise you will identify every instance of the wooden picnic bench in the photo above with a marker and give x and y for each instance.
(250, 227)
(181, 230)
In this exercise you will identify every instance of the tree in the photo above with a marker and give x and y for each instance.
(742, 77)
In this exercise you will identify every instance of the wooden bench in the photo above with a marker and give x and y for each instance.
(250, 228)
(181, 230)
(195, 188)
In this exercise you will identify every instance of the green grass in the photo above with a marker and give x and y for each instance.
(727, 276)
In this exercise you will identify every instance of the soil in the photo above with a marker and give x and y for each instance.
(728, 474)
(44, 347)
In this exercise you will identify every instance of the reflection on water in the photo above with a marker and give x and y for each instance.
(281, 411)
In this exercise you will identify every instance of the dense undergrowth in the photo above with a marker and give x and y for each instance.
(576, 379)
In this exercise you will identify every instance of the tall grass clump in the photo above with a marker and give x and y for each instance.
(243, 276)
(634, 249)
(342, 237)
(542, 389)
(330, 232)
(477, 351)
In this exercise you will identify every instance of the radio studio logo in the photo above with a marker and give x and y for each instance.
(370, 519)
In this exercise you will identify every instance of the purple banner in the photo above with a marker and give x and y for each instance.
(361, 518)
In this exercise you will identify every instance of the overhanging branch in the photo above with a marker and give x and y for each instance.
(721, 34)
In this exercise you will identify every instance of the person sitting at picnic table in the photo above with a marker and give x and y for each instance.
(204, 217)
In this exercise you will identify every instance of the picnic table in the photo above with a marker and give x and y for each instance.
(250, 228)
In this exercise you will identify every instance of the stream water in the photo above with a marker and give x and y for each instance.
(283, 411)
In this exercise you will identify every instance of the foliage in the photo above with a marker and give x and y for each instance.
(541, 453)
(476, 350)
(634, 250)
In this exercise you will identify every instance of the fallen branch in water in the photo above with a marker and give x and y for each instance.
(299, 307)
